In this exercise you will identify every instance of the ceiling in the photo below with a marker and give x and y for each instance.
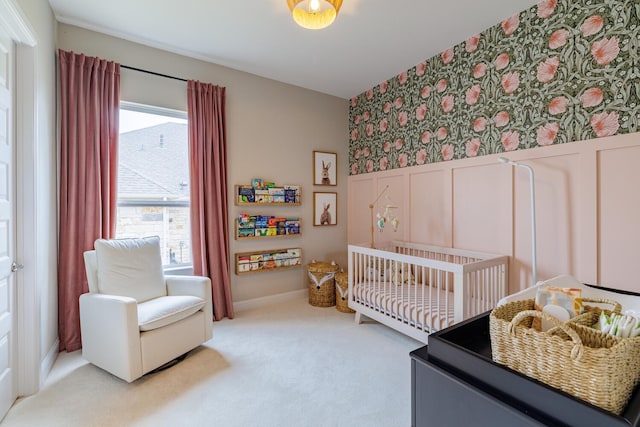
(370, 41)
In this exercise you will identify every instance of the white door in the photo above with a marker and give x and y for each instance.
(8, 390)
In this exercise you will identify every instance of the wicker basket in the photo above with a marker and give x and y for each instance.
(322, 288)
(599, 368)
(342, 292)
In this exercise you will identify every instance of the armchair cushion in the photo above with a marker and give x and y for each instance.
(163, 311)
(130, 267)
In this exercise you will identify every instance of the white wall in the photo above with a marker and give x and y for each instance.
(272, 129)
(44, 261)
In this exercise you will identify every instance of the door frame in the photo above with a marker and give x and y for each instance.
(27, 305)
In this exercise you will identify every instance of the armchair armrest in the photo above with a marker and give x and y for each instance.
(198, 286)
(110, 333)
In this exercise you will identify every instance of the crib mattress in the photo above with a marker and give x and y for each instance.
(422, 307)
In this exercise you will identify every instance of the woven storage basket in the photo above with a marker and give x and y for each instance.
(342, 292)
(599, 368)
(322, 290)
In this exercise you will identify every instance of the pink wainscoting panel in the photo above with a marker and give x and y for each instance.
(361, 193)
(430, 207)
(619, 218)
(482, 218)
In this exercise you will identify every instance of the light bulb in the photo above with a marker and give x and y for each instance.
(314, 5)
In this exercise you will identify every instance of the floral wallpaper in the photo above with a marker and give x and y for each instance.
(561, 71)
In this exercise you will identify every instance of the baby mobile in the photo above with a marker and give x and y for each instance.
(387, 215)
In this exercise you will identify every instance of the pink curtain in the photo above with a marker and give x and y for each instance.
(208, 174)
(89, 102)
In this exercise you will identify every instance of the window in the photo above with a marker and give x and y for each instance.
(153, 179)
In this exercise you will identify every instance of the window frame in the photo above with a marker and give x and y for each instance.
(167, 112)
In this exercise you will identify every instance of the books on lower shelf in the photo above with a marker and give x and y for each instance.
(248, 262)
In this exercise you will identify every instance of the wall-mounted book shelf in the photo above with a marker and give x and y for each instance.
(268, 260)
(288, 195)
(262, 226)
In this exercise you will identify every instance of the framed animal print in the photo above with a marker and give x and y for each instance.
(325, 209)
(324, 168)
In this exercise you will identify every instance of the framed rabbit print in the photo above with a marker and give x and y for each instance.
(325, 209)
(324, 168)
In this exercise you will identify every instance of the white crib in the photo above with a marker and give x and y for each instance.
(419, 289)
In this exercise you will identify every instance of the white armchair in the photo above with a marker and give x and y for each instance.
(134, 319)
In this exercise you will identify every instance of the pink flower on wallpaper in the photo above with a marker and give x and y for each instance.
(447, 151)
(479, 124)
(421, 156)
(356, 119)
(384, 162)
(369, 166)
(605, 124)
(421, 111)
(354, 101)
(510, 25)
(425, 92)
(447, 56)
(425, 137)
(366, 116)
(441, 86)
(369, 93)
(403, 118)
(403, 77)
(472, 95)
(479, 70)
(383, 86)
(421, 68)
(502, 61)
(356, 155)
(547, 133)
(558, 39)
(510, 82)
(510, 140)
(472, 147)
(403, 160)
(366, 151)
(592, 97)
(399, 101)
(384, 124)
(354, 134)
(387, 107)
(501, 119)
(369, 129)
(386, 146)
(441, 133)
(558, 105)
(472, 43)
(547, 69)
(546, 8)
(592, 25)
(447, 103)
(354, 169)
(399, 144)
(606, 50)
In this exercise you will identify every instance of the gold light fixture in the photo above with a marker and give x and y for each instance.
(314, 14)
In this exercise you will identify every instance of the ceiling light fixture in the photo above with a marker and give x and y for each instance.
(314, 14)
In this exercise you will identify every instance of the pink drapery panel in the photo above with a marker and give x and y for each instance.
(208, 174)
(89, 102)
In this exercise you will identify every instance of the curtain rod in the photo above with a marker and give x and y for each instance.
(153, 72)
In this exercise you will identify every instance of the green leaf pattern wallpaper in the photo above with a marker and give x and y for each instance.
(558, 72)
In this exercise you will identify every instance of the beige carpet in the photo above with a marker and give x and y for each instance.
(286, 364)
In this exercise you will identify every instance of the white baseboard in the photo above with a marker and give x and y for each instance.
(48, 361)
(271, 299)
